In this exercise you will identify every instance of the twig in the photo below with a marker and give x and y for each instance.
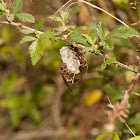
(69, 42)
(94, 6)
(121, 117)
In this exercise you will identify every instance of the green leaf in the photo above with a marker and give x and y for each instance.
(64, 16)
(88, 38)
(115, 136)
(109, 89)
(55, 18)
(103, 66)
(122, 32)
(35, 52)
(135, 120)
(101, 31)
(25, 17)
(1, 14)
(92, 34)
(26, 31)
(39, 24)
(48, 35)
(81, 27)
(27, 38)
(87, 49)
(10, 17)
(102, 137)
(2, 7)
(16, 6)
(76, 35)
(108, 44)
(110, 60)
(135, 138)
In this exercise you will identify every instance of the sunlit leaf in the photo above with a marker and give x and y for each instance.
(92, 34)
(27, 38)
(76, 35)
(1, 14)
(26, 31)
(110, 60)
(88, 38)
(25, 17)
(36, 50)
(64, 15)
(122, 32)
(101, 31)
(55, 18)
(48, 35)
(103, 66)
(10, 17)
(108, 44)
(102, 137)
(135, 138)
(16, 6)
(116, 136)
(2, 7)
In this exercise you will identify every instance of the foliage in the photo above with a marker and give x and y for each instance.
(29, 102)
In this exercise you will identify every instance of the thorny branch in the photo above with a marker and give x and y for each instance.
(64, 40)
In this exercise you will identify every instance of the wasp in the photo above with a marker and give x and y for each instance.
(67, 76)
(79, 55)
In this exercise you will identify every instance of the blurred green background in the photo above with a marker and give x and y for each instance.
(34, 101)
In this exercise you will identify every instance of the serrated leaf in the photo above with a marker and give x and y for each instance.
(92, 34)
(108, 44)
(25, 17)
(64, 15)
(101, 31)
(39, 24)
(16, 6)
(76, 35)
(122, 32)
(110, 60)
(88, 38)
(55, 18)
(135, 138)
(35, 52)
(10, 17)
(2, 7)
(26, 31)
(27, 38)
(103, 66)
(116, 136)
(48, 35)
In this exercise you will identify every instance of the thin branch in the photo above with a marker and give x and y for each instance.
(69, 42)
(94, 6)
(119, 64)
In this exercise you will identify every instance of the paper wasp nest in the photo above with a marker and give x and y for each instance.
(69, 58)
